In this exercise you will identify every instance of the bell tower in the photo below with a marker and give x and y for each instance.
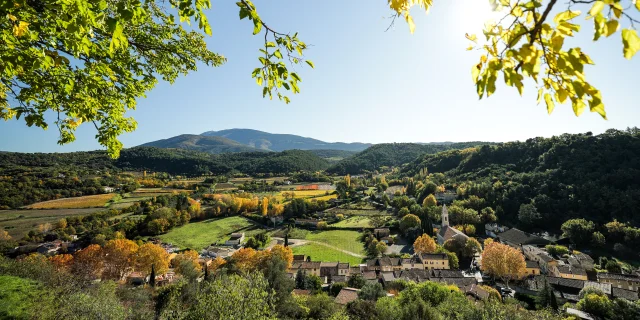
(445, 216)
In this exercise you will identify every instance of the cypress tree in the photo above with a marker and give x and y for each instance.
(299, 279)
(286, 239)
(206, 273)
(152, 277)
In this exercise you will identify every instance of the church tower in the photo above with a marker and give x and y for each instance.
(445, 216)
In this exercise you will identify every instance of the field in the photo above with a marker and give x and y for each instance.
(198, 235)
(94, 201)
(19, 222)
(353, 222)
(306, 194)
(342, 239)
(357, 212)
(18, 297)
(319, 252)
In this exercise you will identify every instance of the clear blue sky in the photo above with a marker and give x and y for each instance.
(369, 85)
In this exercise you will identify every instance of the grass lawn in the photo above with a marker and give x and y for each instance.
(98, 200)
(198, 235)
(358, 212)
(343, 239)
(18, 222)
(353, 222)
(321, 253)
(19, 297)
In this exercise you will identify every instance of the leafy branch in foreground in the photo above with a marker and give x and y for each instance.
(89, 61)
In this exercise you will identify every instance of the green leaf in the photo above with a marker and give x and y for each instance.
(578, 106)
(612, 27)
(631, 43)
(278, 54)
(549, 101)
(565, 16)
(310, 64)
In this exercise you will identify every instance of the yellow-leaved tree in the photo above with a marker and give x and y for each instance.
(503, 261)
(424, 244)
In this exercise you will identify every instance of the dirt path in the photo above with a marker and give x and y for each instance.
(300, 242)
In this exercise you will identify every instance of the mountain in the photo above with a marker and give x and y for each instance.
(280, 142)
(595, 177)
(391, 154)
(209, 144)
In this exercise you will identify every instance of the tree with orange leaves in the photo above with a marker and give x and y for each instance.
(119, 258)
(245, 259)
(61, 261)
(89, 262)
(424, 244)
(187, 255)
(150, 254)
(285, 253)
(216, 264)
(503, 261)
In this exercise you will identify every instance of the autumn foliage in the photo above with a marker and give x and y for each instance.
(424, 244)
(503, 261)
(248, 259)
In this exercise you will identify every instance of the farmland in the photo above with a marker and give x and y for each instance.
(353, 222)
(198, 235)
(94, 201)
(18, 222)
(342, 239)
(319, 252)
(305, 194)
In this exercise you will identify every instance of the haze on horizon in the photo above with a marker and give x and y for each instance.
(369, 85)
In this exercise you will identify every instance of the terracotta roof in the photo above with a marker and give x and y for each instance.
(519, 237)
(347, 295)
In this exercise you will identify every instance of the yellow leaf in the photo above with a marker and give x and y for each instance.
(517, 11)
(612, 27)
(412, 25)
(12, 17)
(561, 95)
(578, 106)
(483, 59)
(471, 37)
(637, 4)
(565, 16)
(596, 105)
(549, 101)
(470, 48)
(20, 29)
(596, 8)
(475, 72)
(539, 95)
(631, 43)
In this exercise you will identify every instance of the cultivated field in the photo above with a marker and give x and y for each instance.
(357, 212)
(353, 222)
(198, 235)
(99, 200)
(342, 239)
(305, 194)
(319, 252)
(18, 222)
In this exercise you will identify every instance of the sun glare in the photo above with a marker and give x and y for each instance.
(474, 15)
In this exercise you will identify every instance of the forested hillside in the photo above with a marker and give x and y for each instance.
(391, 154)
(26, 178)
(567, 176)
(195, 142)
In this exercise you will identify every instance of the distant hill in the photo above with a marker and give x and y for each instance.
(209, 144)
(391, 154)
(333, 156)
(280, 142)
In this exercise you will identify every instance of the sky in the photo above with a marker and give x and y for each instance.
(368, 85)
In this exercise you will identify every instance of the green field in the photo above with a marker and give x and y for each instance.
(319, 252)
(353, 222)
(343, 239)
(198, 235)
(19, 222)
(19, 297)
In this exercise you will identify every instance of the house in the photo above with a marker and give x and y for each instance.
(415, 275)
(49, 248)
(388, 277)
(624, 293)
(541, 256)
(569, 272)
(328, 269)
(235, 240)
(532, 267)
(564, 288)
(604, 287)
(517, 238)
(381, 232)
(412, 263)
(582, 260)
(343, 269)
(136, 279)
(434, 260)
(309, 267)
(621, 281)
(347, 295)
(476, 292)
(108, 189)
(445, 197)
(448, 232)
(458, 282)
(384, 264)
